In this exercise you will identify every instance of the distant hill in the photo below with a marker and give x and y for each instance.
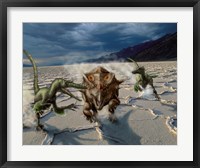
(162, 49)
(53, 64)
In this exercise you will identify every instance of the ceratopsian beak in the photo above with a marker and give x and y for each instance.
(75, 85)
(121, 81)
(70, 94)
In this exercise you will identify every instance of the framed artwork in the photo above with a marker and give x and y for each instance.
(99, 83)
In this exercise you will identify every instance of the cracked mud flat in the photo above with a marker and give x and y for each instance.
(141, 120)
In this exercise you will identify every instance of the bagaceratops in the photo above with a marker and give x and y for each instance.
(102, 89)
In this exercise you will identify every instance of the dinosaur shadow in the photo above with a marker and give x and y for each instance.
(62, 137)
(120, 133)
(172, 107)
(157, 112)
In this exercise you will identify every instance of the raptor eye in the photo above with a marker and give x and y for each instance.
(91, 78)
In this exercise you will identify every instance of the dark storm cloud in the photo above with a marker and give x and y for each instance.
(75, 42)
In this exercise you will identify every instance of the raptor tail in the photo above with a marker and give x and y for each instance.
(134, 62)
(35, 71)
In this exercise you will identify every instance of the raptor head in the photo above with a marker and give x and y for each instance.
(140, 70)
(69, 84)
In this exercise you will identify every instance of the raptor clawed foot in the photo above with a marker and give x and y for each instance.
(40, 127)
(41, 113)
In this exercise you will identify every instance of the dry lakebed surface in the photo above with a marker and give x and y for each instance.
(141, 119)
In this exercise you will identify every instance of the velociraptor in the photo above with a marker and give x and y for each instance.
(45, 97)
(143, 79)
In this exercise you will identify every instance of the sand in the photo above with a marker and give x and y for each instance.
(141, 119)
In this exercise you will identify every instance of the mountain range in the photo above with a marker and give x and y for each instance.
(162, 49)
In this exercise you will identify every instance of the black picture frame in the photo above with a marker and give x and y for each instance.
(4, 4)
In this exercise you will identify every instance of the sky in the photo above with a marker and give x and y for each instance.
(68, 43)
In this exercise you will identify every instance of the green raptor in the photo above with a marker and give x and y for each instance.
(143, 79)
(45, 97)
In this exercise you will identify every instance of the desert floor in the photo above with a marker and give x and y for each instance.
(141, 119)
